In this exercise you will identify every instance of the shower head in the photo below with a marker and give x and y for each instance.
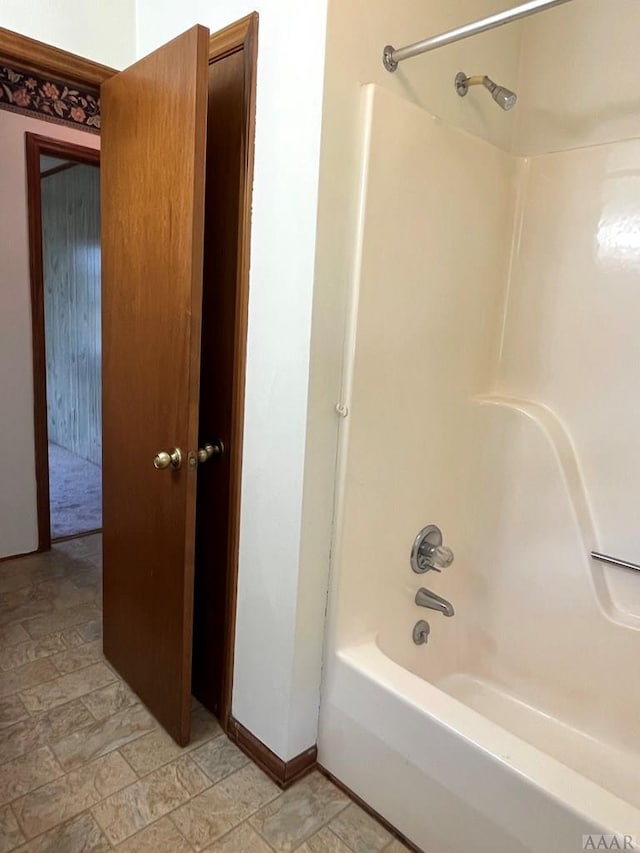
(504, 98)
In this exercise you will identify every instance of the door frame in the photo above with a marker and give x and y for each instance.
(239, 36)
(42, 59)
(27, 54)
(36, 145)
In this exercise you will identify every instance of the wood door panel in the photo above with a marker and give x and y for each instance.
(153, 161)
(225, 153)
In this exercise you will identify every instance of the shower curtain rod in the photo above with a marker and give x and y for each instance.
(391, 56)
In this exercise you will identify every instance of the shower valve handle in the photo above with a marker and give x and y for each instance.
(428, 553)
(435, 557)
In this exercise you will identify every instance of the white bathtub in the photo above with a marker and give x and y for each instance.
(517, 726)
(448, 777)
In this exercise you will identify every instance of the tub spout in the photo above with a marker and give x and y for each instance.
(426, 598)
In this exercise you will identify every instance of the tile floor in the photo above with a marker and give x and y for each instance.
(84, 768)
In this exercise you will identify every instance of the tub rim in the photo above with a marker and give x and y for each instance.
(557, 780)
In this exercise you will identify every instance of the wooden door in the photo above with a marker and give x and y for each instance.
(153, 170)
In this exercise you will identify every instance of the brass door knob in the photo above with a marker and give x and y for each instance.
(209, 450)
(168, 460)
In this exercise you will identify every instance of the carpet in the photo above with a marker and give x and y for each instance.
(75, 493)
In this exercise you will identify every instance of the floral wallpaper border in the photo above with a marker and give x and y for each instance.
(49, 99)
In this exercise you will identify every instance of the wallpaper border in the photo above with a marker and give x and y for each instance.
(49, 99)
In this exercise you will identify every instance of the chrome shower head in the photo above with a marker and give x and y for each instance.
(504, 98)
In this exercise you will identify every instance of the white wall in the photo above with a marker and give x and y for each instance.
(103, 32)
(18, 522)
(279, 626)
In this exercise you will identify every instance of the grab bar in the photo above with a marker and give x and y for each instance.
(614, 561)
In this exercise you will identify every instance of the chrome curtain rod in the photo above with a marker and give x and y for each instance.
(392, 56)
(614, 561)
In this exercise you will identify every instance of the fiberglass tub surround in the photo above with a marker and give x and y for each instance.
(494, 355)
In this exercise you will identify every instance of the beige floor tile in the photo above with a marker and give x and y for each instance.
(80, 835)
(359, 831)
(81, 546)
(97, 556)
(73, 793)
(11, 578)
(396, 847)
(71, 638)
(63, 689)
(18, 610)
(90, 573)
(85, 569)
(87, 572)
(27, 571)
(203, 726)
(299, 812)
(152, 751)
(15, 656)
(220, 809)
(12, 710)
(12, 634)
(78, 657)
(60, 620)
(29, 771)
(14, 575)
(160, 837)
(158, 748)
(219, 758)
(103, 736)
(16, 598)
(109, 700)
(244, 839)
(29, 674)
(324, 842)
(144, 802)
(10, 835)
(42, 729)
(63, 593)
(76, 557)
(91, 630)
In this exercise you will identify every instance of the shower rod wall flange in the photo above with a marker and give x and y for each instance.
(391, 57)
(387, 58)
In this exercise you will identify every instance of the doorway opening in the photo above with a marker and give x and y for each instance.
(63, 183)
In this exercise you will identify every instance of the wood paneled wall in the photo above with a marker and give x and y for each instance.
(71, 261)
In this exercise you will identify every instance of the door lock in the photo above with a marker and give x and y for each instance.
(164, 460)
(209, 450)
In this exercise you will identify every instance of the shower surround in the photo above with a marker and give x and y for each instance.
(490, 360)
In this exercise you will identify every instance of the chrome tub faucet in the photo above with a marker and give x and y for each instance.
(426, 598)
